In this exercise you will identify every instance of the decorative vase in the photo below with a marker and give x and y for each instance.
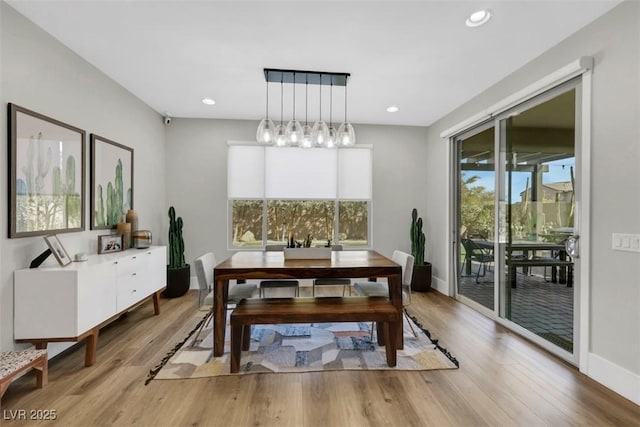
(132, 218)
(124, 228)
(141, 239)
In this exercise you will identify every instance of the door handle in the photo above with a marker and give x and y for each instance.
(572, 247)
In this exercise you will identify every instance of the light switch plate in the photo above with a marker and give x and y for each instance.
(625, 242)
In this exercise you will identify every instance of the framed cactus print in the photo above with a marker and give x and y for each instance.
(111, 182)
(46, 175)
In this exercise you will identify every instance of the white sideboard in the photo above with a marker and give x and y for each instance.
(62, 304)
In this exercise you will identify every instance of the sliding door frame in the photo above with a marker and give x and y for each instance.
(581, 67)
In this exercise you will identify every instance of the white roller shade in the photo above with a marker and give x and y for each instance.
(245, 173)
(354, 173)
(298, 173)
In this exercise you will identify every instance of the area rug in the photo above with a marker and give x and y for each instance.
(302, 348)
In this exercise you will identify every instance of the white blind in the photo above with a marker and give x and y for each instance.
(354, 173)
(298, 173)
(245, 172)
(256, 172)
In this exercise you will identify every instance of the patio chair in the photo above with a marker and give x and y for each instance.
(475, 253)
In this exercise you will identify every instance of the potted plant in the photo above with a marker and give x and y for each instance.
(178, 271)
(421, 280)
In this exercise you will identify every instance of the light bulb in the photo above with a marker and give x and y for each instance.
(294, 132)
(306, 141)
(281, 136)
(319, 134)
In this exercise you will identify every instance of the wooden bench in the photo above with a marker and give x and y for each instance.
(541, 262)
(14, 363)
(308, 310)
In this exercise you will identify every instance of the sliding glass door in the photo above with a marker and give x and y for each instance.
(515, 210)
(476, 218)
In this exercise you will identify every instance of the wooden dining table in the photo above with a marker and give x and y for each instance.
(247, 265)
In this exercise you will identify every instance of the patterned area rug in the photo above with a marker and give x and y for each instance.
(302, 348)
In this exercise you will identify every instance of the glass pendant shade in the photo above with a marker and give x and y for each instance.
(346, 135)
(281, 136)
(333, 137)
(320, 134)
(306, 141)
(266, 132)
(294, 132)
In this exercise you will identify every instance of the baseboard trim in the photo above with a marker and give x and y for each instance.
(614, 377)
(440, 285)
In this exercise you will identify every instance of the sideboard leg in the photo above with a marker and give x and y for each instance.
(156, 303)
(92, 347)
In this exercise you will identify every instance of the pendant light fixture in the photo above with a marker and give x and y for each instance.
(281, 130)
(306, 129)
(266, 128)
(320, 131)
(294, 128)
(346, 133)
(294, 133)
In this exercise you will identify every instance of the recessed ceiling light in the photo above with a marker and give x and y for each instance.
(208, 101)
(478, 18)
(392, 109)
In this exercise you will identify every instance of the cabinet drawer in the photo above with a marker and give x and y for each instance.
(132, 272)
(129, 266)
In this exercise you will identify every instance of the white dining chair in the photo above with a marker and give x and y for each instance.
(376, 289)
(204, 266)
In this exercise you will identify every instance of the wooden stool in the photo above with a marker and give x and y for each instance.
(14, 363)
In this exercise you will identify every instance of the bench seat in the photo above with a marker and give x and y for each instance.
(14, 363)
(313, 310)
(540, 262)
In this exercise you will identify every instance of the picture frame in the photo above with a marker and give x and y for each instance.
(58, 250)
(111, 177)
(46, 175)
(109, 243)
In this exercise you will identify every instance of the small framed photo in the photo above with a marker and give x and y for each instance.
(58, 250)
(110, 243)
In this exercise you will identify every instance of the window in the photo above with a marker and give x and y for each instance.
(321, 193)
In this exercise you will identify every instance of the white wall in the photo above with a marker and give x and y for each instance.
(614, 42)
(197, 180)
(38, 73)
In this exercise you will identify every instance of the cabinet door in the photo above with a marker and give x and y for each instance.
(96, 295)
(157, 269)
(131, 276)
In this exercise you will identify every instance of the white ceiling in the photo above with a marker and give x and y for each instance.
(417, 55)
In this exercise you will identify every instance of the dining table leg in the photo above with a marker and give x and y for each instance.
(220, 289)
(395, 294)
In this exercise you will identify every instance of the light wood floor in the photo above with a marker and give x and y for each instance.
(503, 380)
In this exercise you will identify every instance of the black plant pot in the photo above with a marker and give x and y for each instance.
(178, 281)
(421, 279)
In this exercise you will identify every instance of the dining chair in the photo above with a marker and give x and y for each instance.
(278, 283)
(204, 266)
(377, 289)
(346, 283)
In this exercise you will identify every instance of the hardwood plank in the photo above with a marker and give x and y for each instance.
(503, 380)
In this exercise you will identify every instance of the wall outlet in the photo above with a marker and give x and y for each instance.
(625, 242)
